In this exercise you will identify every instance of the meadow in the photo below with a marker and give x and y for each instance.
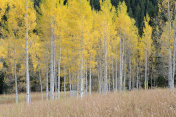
(142, 103)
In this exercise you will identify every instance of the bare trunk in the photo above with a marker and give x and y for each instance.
(109, 80)
(173, 76)
(151, 82)
(16, 80)
(146, 65)
(51, 67)
(41, 86)
(137, 80)
(81, 67)
(113, 74)
(58, 88)
(86, 78)
(129, 84)
(124, 80)
(105, 66)
(90, 77)
(170, 79)
(116, 71)
(99, 76)
(47, 91)
(59, 67)
(47, 88)
(78, 85)
(54, 69)
(64, 81)
(27, 61)
(69, 75)
(121, 69)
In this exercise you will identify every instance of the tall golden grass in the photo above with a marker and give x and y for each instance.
(142, 103)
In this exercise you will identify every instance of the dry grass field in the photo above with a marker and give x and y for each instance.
(149, 103)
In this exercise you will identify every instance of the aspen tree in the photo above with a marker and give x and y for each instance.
(48, 9)
(147, 33)
(170, 79)
(80, 12)
(173, 74)
(107, 15)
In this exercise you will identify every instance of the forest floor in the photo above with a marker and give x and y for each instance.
(142, 103)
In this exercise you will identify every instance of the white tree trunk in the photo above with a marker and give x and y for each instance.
(16, 80)
(116, 70)
(69, 75)
(27, 60)
(124, 80)
(54, 69)
(133, 82)
(78, 84)
(170, 79)
(109, 80)
(90, 77)
(81, 65)
(47, 91)
(59, 61)
(137, 80)
(58, 88)
(105, 64)
(146, 67)
(51, 67)
(173, 76)
(64, 81)
(86, 78)
(113, 74)
(99, 76)
(129, 84)
(121, 70)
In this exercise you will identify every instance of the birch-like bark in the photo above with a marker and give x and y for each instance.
(81, 65)
(27, 60)
(99, 76)
(170, 79)
(137, 80)
(105, 64)
(113, 74)
(129, 84)
(123, 53)
(133, 82)
(146, 66)
(58, 84)
(51, 67)
(15, 74)
(64, 81)
(54, 69)
(47, 90)
(121, 70)
(41, 86)
(173, 74)
(116, 70)
(78, 84)
(59, 66)
(54, 65)
(69, 75)
(86, 78)
(90, 77)
(124, 80)
(109, 80)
